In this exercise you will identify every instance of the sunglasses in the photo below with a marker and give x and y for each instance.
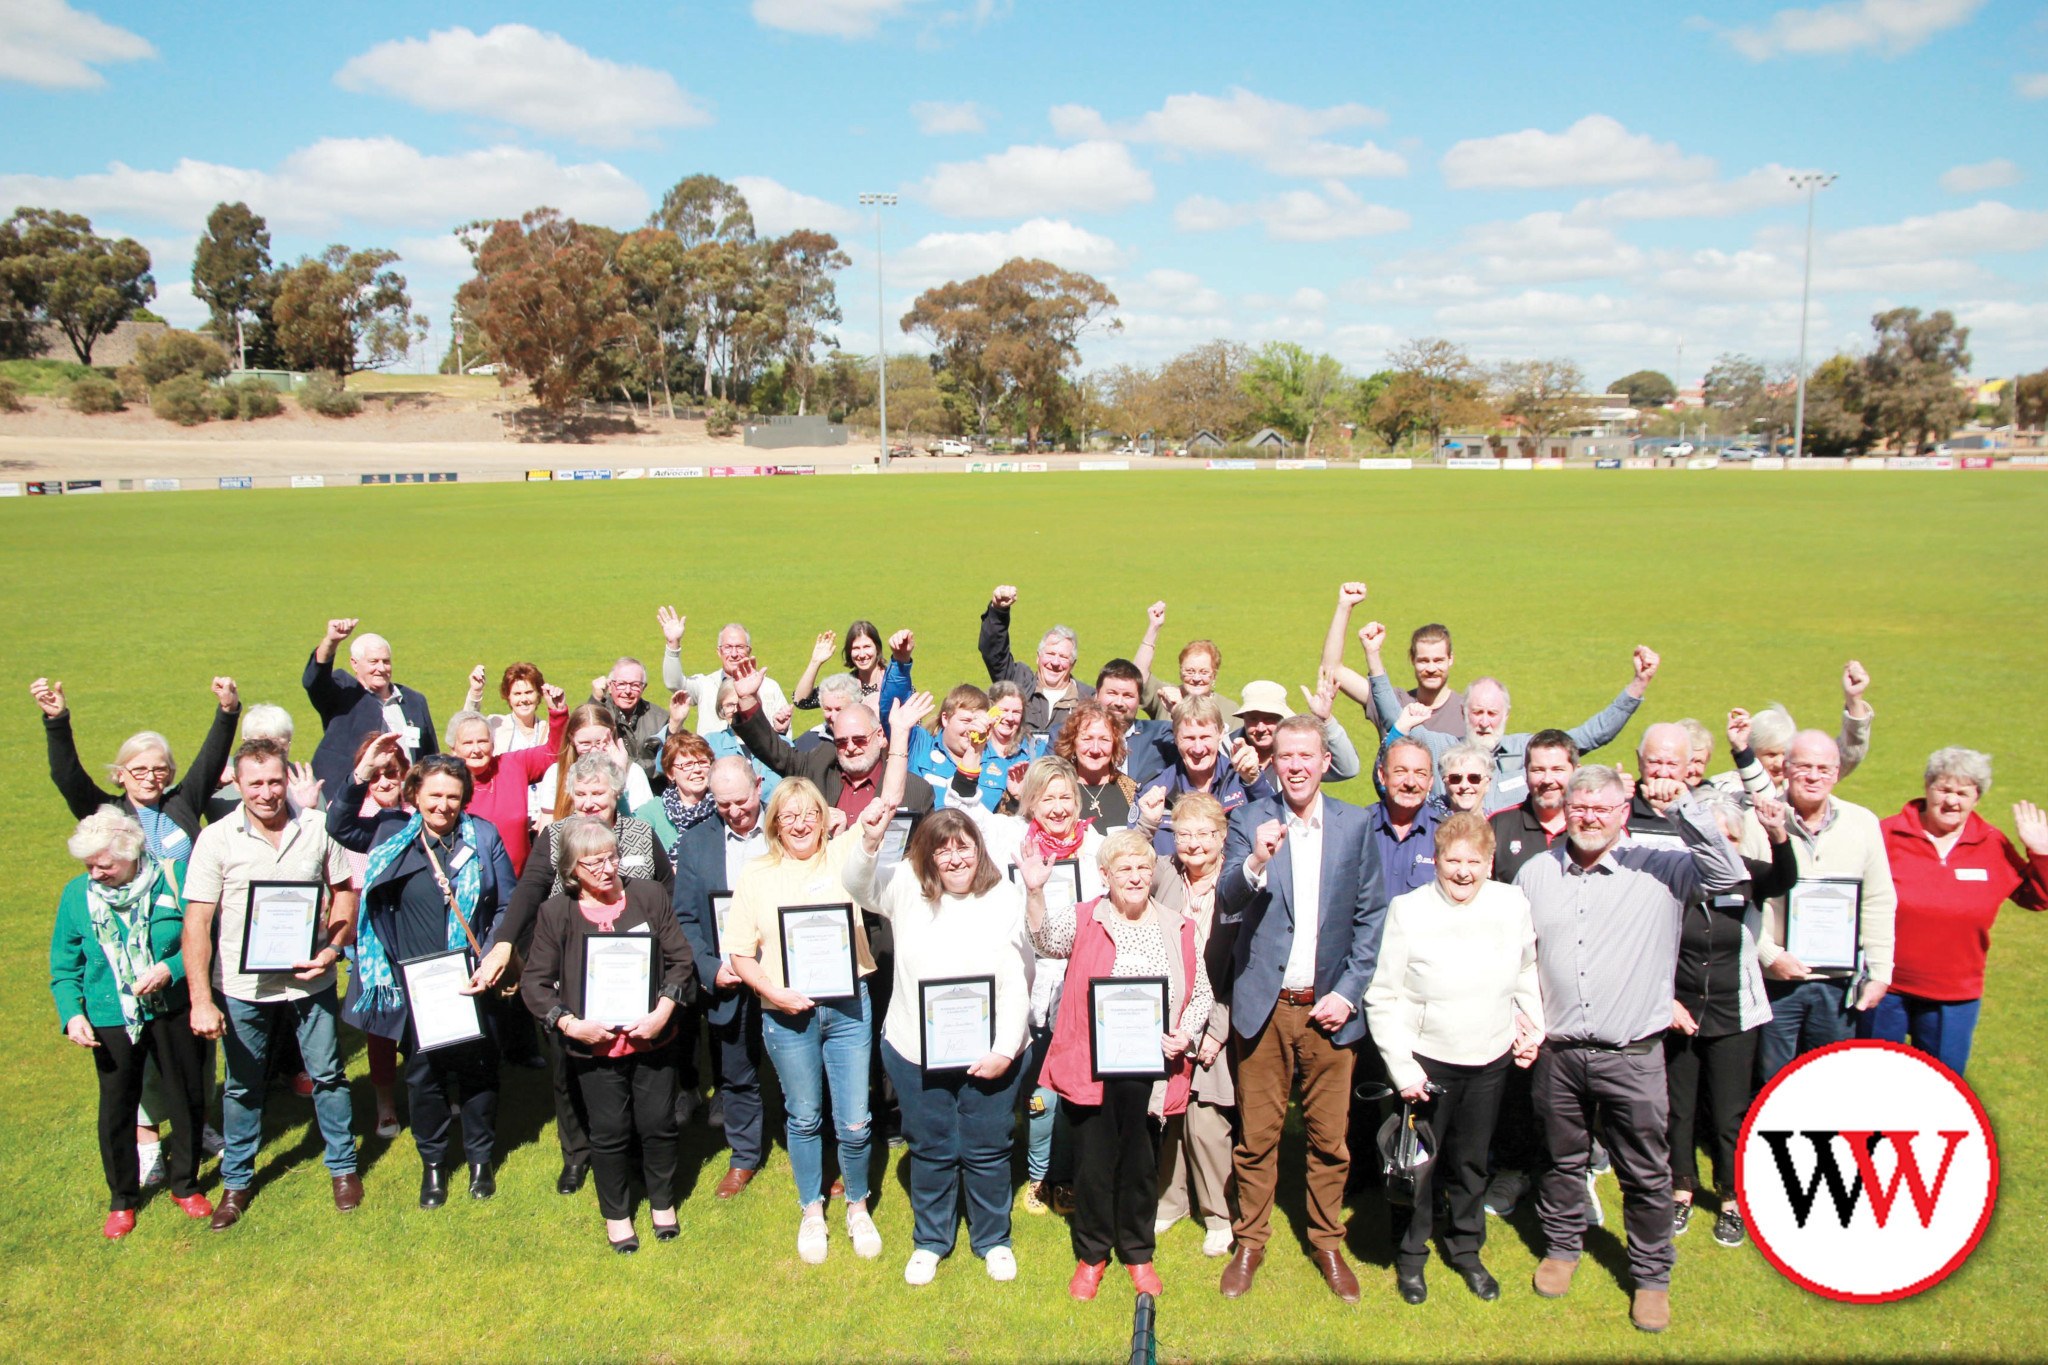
(852, 741)
(1463, 779)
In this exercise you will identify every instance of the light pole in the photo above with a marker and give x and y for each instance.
(880, 202)
(1812, 182)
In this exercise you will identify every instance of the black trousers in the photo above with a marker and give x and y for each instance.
(882, 1103)
(736, 1068)
(1627, 1092)
(625, 1097)
(1462, 1120)
(118, 1062)
(1116, 1174)
(1725, 1062)
(431, 1078)
(1517, 1136)
(572, 1126)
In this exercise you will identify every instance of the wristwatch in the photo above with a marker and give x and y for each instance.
(555, 1017)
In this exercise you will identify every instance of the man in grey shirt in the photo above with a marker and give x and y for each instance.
(1607, 914)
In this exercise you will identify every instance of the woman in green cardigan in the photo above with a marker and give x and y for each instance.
(117, 974)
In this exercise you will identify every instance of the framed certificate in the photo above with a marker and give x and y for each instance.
(618, 978)
(956, 1021)
(1062, 888)
(896, 838)
(1126, 1027)
(442, 1016)
(817, 950)
(281, 926)
(721, 901)
(1824, 922)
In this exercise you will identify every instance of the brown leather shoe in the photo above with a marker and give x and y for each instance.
(348, 1192)
(1554, 1278)
(1244, 1264)
(229, 1211)
(736, 1179)
(1650, 1310)
(1336, 1274)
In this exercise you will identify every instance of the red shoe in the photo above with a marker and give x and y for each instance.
(1145, 1278)
(195, 1205)
(121, 1222)
(302, 1085)
(1087, 1278)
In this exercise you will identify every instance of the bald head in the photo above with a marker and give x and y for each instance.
(1665, 751)
(1813, 764)
(1486, 710)
(736, 789)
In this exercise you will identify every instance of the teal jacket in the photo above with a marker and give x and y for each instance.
(81, 982)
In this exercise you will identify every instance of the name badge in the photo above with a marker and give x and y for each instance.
(410, 736)
(1511, 786)
(1972, 874)
(1731, 900)
(462, 856)
(1425, 861)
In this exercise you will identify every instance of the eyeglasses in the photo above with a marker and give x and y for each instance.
(1593, 812)
(1464, 779)
(599, 863)
(693, 765)
(143, 771)
(852, 741)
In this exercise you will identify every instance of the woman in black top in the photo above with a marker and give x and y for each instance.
(1093, 742)
(1718, 1007)
(625, 1069)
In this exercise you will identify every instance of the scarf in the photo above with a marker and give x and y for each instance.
(683, 817)
(379, 984)
(1051, 849)
(120, 918)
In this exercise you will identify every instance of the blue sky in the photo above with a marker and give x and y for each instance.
(1597, 180)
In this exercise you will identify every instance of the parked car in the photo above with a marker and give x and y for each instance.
(1742, 453)
(1681, 451)
(952, 445)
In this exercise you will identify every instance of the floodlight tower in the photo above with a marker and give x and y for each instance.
(880, 202)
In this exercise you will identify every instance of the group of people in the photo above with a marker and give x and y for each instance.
(1515, 970)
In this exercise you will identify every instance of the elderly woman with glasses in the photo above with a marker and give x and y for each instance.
(117, 975)
(686, 801)
(623, 1070)
(592, 728)
(1467, 772)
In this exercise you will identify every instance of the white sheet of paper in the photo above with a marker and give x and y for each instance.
(1821, 928)
(616, 975)
(1128, 1030)
(958, 1026)
(1062, 888)
(894, 840)
(441, 1014)
(281, 924)
(819, 955)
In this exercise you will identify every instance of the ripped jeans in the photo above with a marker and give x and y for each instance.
(827, 1046)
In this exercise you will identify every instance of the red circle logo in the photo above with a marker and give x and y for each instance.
(1867, 1171)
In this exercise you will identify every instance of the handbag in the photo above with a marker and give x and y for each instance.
(1407, 1152)
(508, 983)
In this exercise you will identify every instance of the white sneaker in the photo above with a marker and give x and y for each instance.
(1161, 1226)
(810, 1239)
(1002, 1264)
(714, 1114)
(1504, 1192)
(867, 1243)
(921, 1267)
(1595, 1215)
(1217, 1242)
(211, 1142)
(149, 1160)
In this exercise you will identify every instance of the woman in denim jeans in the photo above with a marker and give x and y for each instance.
(817, 1047)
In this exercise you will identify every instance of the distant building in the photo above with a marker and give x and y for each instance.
(1204, 442)
(115, 349)
(1270, 441)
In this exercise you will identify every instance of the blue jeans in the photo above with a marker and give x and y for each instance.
(1050, 1156)
(246, 1041)
(1940, 1028)
(829, 1044)
(958, 1130)
(1804, 1015)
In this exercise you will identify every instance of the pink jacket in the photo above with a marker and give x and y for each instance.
(1069, 1069)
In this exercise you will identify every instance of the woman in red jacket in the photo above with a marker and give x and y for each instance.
(502, 780)
(1953, 871)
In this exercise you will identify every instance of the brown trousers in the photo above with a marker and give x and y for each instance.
(1288, 1048)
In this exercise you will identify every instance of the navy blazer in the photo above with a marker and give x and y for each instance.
(350, 715)
(1352, 901)
(1149, 749)
(700, 870)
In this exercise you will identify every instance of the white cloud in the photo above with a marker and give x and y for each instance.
(832, 18)
(1546, 247)
(1766, 187)
(49, 44)
(369, 180)
(2031, 86)
(1287, 139)
(1987, 226)
(1091, 176)
(521, 76)
(1889, 27)
(935, 117)
(777, 208)
(1417, 290)
(1597, 150)
(942, 256)
(1308, 299)
(1170, 291)
(1760, 275)
(1334, 213)
(1994, 174)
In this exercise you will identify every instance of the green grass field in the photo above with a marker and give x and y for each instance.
(1754, 588)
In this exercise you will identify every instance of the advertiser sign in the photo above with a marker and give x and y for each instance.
(1233, 464)
(1401, 463)
(737, 471)
(540, 476)
(676, 471)
(159, 485)
(237, 481)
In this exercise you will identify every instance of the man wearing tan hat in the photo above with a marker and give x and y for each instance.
(1265, 706)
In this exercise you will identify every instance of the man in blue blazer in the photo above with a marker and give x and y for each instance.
(355, 706)
(709, 856)
(1302, 891)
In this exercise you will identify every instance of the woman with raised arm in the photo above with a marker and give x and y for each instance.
(503, 781)
(862, 655)
(523, 726)
(591, 729)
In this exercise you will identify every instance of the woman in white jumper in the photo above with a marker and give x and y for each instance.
(1452, 1004)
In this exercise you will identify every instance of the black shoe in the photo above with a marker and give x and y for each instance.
(668, 1232)
(626, 1246)
(1483, 1286)
(1681, 1218)
(572, 1177)
(482, 1184)
(1414, 1289)
(433, 1187)
(1728, 1227)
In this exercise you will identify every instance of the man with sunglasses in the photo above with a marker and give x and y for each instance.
(1607, 912)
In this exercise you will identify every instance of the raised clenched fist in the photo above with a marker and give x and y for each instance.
(1351, 594)
(1005, 595)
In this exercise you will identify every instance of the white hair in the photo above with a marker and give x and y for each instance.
(745, 634)
(1955, 761)
(1468, 751)
(1772, 728)
(361, 644)
(594, 766)
(841, 685)
(1062, 633)
(1595, 777)
(267, 721)
(460, 719)
(1489, 681)
(107, 830)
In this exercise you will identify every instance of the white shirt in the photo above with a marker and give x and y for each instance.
(1304, 851)
(1450, 978)
(395, 723)
(703, 690)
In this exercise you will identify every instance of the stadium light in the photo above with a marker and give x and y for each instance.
(1812, 183)
(880, 202)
